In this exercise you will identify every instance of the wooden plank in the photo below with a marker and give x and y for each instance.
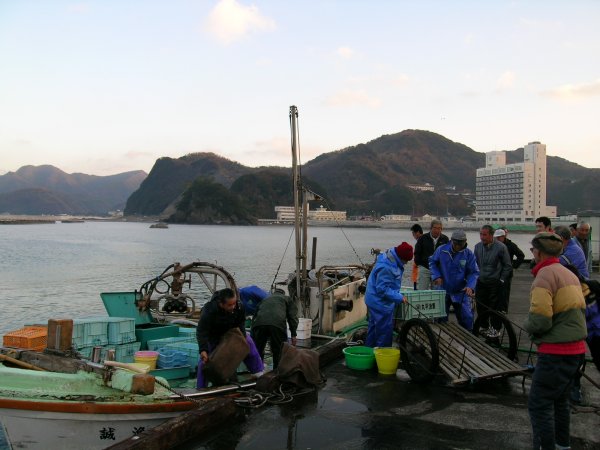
(464, 357)
(178, 430)
(499, 358)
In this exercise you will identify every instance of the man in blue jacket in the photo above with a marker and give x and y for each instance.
(453, 267)
(383, 294)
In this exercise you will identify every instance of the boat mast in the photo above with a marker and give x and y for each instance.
(297, 189)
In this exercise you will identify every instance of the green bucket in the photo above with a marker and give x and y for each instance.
(359, 357)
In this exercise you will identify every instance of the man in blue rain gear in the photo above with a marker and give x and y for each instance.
(453, 268)
(383, 294)
(251, 296)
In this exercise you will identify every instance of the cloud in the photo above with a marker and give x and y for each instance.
(506, 80)
(230, 21)
(574, 91)
(347, 98)
(346, 52)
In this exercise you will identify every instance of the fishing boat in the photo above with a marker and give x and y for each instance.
(41, 409)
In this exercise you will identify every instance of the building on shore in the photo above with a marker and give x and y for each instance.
(286, 214)
(513, 192)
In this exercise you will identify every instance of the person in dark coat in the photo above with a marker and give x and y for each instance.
(218, 316)
(269, 324)
(516, 258)
(424, 248)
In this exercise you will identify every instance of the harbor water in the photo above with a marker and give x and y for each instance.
(58, 270)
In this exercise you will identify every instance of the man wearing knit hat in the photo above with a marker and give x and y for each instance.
(556, 324)
(453, 267)
(383, 293)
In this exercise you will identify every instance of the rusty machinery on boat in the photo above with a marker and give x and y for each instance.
(164, 295)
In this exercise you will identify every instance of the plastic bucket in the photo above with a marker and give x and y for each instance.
(146, 357)
(359, 357)
(387, 360)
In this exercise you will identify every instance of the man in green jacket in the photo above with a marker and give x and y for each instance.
(269, 324)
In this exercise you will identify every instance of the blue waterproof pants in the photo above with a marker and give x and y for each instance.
(381, 328)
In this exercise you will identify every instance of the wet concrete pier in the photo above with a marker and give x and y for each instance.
(365, 410)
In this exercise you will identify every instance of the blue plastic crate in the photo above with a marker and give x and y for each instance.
(121, 330)
(90, 332)
(168, 358)
(155, 344)
(189, 348)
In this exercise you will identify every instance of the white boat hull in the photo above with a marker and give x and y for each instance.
(59, 430)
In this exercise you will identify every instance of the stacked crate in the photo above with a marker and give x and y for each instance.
(116, 333)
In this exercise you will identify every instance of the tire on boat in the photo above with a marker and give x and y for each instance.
(506, 342)
(419, 350)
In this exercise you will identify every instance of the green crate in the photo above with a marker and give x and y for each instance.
(90, 332)
(152, 331)
(425, 304)
(172, 373)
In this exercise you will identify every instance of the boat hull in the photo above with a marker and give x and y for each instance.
(34, 429)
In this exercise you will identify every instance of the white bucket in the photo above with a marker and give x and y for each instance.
(304, 329)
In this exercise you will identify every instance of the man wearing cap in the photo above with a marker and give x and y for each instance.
(454, 268)
(424, 248)
(501, 235)
(572, 253)
(494, 269)
(383, 293)
(556, 324)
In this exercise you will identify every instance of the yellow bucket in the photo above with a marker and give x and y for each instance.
(387, 360)
(146, 357)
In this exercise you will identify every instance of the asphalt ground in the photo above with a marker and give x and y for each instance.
(366, 410)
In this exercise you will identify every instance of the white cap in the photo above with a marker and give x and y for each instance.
(499, 232)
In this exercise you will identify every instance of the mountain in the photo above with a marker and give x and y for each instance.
(48, 190)
(208, 202)
(368, 178)
(170, 177)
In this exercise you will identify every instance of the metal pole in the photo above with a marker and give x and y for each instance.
(296, 176)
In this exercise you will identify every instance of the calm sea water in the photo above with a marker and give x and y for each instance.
(58, 270)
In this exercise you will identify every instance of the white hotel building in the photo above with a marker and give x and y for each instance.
(513, 192)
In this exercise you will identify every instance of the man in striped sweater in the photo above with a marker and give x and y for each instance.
(556, 324)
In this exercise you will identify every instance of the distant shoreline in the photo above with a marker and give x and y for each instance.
(401, 225)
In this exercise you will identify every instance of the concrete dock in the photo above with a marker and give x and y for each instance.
(365, 410)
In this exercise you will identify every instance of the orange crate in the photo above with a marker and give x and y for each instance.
(35, 338)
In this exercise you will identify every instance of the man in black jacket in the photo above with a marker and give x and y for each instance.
(223, 312)
(501, 234)
(426, 245)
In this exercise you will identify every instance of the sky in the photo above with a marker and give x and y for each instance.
(103, 87)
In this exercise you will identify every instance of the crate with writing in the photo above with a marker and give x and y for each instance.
(425, 304)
